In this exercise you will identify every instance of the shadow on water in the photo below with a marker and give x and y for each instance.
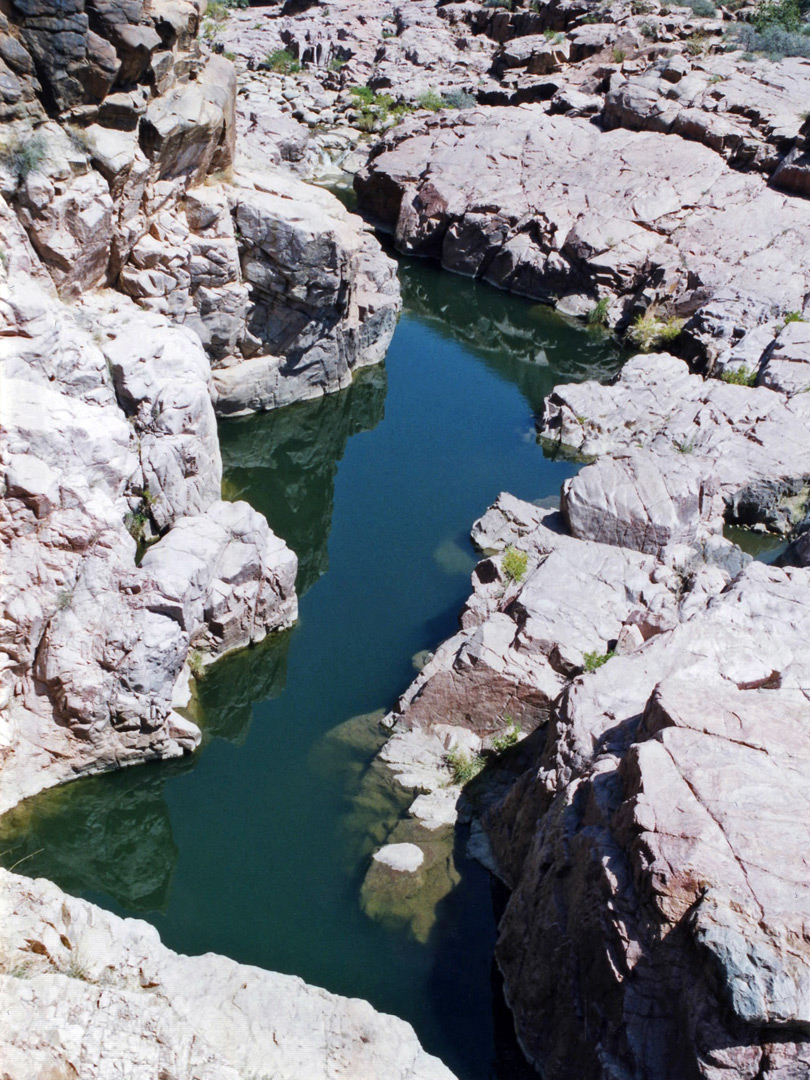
(285, 464)
(259, 846)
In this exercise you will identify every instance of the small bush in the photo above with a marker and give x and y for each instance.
(514, 563)
(793, 316)
(649, 331)
(508, 4)
(135, 522)
(336, 63)
(282, 62)
(464, 767)
(24, 156)
(196, 664)
(594, 660)
(774, 42)
(649, 31)
(704, 9)
(619, 56)
(597, 316)
(363, 93)
(64, 600)
(430, 100)
(459, 99)
(508, 737)
(741, 376)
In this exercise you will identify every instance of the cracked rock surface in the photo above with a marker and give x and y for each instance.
(88, 994)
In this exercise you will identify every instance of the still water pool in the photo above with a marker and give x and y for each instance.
(257, 846)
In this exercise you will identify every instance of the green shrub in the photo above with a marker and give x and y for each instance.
(619, 56)
(594, 660)
(135, 522)
(508, 737)
(196, 663)
(282, 61)
(64, 600)
(649, 31)
(649, 331)
(597, 316)
(430, 100)
(741, 376)
(463, 767)
(336, 63)
(514, 563)
(363, 93)
(459, 99)
(793, 316)
(508, 4)
(24, 155)
(704, 9)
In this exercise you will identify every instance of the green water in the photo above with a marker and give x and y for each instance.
(258, 845)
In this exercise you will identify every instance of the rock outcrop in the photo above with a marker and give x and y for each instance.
(642, 221)
(679, 455)
(654, 927)
(86, 993)
(109, 438)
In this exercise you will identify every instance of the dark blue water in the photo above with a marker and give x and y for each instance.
(257, 846)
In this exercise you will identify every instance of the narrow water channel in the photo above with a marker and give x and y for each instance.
(258, 845)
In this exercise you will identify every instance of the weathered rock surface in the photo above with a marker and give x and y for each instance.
(685, 234)
(323, 297)
(87, 993)
(109, 435)
(655, 926)
(685, 453)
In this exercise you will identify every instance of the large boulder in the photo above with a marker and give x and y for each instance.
(638, 219)
(83, 989)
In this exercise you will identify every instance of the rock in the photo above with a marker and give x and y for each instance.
(748, 114)
(661, 825)
(453, 191)
(787, 364)
(405, 858)
(190, 130)
(324, 298)
(97, 990)
(94, 646)
(683, 456)
(226, 578)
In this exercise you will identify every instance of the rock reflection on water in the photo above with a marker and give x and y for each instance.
(107, 834)
(284, 464)
(512, 339)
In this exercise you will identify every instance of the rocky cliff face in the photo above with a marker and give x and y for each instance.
(87, 994)
(144, 285)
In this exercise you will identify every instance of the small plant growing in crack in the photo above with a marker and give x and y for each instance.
(594, 660)
(463, 766)
(741, 376)
(514, 563)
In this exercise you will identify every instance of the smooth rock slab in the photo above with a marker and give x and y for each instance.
(549, 206)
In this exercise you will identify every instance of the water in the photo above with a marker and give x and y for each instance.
(257, 846)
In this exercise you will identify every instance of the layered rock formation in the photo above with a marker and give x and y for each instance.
(86, 993)
(641, 221)
(654, 927)
(117, 198)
